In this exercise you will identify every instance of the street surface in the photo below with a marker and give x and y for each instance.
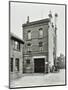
(35, 79)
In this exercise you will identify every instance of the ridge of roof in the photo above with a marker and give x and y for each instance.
(36, 22)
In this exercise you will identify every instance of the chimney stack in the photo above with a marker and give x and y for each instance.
(27, 19)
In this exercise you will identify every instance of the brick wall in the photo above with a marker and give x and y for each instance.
(16, 54)
(35, 49)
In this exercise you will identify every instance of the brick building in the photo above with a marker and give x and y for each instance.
(16, 57)
(39, 47)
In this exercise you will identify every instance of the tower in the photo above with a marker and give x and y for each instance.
(55, 59)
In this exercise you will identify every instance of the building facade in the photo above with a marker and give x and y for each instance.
(16, 57)
(39, 46)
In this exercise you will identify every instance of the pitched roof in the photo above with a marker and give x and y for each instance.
(14, 37)
(37, 22)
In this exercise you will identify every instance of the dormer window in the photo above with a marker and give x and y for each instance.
(40, 32)
(29, 34)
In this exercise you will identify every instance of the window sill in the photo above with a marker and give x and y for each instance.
(29, 39)
(17, 50)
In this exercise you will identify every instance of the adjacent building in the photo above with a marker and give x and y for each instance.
(39, 47)
(16, 57)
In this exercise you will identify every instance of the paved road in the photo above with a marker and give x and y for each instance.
(40, 80)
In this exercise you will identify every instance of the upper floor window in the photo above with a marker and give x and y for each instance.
(28, 50)
(41, 32)
(29, 35)
(29, 44)
(40, 44)
(16, 45)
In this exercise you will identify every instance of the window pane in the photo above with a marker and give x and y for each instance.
(17, 64)
(41, 48)
(11, 64)
(29, 44)
(29, 35)
(28, 61)
(40, 44)
(17, 45)
(41, 32)
(28, 50)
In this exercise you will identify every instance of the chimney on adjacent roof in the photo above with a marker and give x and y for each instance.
(27, 19)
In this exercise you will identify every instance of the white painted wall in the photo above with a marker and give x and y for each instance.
(50, 45)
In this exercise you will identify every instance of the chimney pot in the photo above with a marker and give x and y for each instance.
(27, 19)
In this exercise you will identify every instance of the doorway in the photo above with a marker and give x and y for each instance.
(39, 65)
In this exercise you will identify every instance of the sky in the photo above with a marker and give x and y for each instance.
(20, 11)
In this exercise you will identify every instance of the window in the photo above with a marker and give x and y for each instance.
(28, 61)
(29, 44)
(41, 48)
(40, 44)
(29, 34)
(41, 32)
(17, 64)
(11, 64)
(28, 50)
(16, 45)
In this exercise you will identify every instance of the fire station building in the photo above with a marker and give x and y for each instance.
(39, 46)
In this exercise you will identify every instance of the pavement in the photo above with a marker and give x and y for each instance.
(28, 80)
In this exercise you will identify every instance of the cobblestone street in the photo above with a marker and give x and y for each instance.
(39, 79)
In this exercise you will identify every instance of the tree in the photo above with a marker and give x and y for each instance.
(61, 61)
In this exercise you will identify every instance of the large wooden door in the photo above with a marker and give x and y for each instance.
(39, 65)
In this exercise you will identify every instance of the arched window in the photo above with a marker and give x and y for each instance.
(29, 35)
(28, 44)
(40, 32)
